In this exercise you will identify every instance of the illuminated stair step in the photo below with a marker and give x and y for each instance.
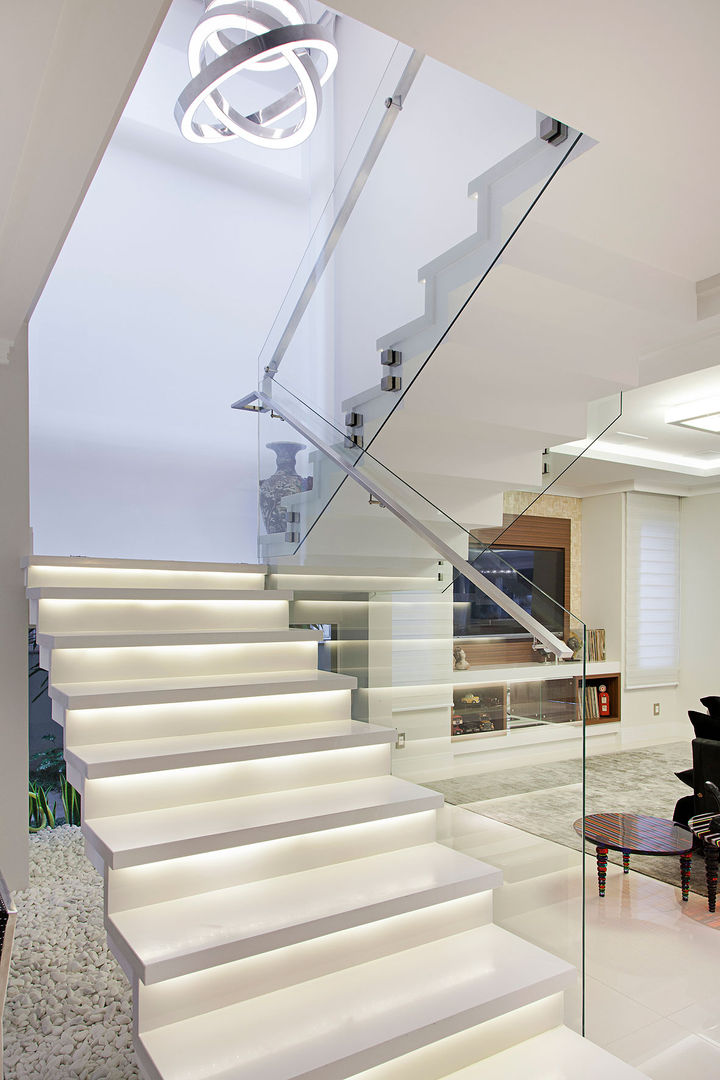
(60, 570)
(124, 692)
(165, 940)
(217, 747)
(127, 656)
(73, 609)
(111, 639)
(153, 835)
(337, 1025)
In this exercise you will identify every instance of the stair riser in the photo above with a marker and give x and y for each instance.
(176, 999)
(177, 878)
(88, 726)
(98, 577)
(183, 787)
(58, 616)
(94, 665)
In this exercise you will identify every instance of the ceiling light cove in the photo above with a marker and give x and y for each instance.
(703, 415)
(276, 37)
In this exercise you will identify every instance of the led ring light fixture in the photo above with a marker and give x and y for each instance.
(280, 39)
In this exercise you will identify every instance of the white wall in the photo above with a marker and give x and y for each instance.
(604, 606)
(14, 543)
(700, 563)
(151, 325)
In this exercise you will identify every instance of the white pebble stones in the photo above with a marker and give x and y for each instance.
(68, 1007)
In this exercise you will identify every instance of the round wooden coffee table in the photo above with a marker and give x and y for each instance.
(636, 834)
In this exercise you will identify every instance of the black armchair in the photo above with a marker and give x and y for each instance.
(705, 759)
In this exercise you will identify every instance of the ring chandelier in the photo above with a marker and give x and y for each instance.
(278, 37)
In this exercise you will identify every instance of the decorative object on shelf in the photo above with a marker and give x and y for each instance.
(460, 662)
(256, 38)
(470, 699)
(284, 481)
(603, 700)
(573, 642)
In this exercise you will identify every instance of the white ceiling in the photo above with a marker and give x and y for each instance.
(62, 87)
(642, 450)
(641, 78)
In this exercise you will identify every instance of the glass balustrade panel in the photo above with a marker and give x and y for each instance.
(484, 712)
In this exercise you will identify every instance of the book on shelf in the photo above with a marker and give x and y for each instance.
(592, 703)
(595, 645)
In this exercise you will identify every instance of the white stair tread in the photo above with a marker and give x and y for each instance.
(137, 592)
(153, 835)
(109, 639)
(93, 695)
(192, 933)
(215, 747)
(558, 1054)
(339, 1024)
(77, 562)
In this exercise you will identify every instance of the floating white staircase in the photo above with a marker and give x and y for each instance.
(278, 900)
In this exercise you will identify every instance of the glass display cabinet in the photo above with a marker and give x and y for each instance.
(479, 710)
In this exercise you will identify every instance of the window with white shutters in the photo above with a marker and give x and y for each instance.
(652, 590)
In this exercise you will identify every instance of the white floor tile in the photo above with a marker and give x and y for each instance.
(647, 1043)
(702, 1018)
(609, 1015)
(692, 1056)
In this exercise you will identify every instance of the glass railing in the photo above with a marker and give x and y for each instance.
(442, 174)
(401, 456)
(480, 702)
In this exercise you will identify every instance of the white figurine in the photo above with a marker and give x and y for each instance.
(459, 659)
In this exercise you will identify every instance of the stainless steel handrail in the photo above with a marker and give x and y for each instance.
(392, 106)
(540, 633)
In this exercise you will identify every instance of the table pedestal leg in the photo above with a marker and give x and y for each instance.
(685, 862)
(711, 872)
(602, 858)
(626, 862)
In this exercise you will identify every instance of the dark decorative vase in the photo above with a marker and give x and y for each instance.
(284, 481)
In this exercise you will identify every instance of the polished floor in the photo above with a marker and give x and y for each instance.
(652, 962)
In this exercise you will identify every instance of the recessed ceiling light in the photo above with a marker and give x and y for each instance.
(630, 435)
(702, 415)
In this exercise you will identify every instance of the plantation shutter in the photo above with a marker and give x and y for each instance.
(652, 590)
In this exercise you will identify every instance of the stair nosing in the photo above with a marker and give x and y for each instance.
(92, 696)
(109, 639)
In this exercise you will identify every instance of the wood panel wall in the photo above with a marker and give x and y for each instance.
(521, 532)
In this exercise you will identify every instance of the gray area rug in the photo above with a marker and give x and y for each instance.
(546, 799)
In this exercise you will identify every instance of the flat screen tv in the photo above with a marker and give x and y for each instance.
(540, 571)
